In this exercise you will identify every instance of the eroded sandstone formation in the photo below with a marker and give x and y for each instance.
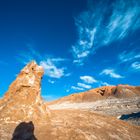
(22, 102)
(101, 93)
(117, 101)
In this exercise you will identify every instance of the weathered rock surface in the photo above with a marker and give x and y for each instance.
(76, 125)
(24, 115)
(22, 102)
(105, 92)
(109, 100)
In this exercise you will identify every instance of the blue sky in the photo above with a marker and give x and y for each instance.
(81, 44)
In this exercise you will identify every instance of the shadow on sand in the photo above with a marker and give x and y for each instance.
(24, 131)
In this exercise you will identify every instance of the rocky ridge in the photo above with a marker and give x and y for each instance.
(109, 100)
(23, 101)
(101, 93)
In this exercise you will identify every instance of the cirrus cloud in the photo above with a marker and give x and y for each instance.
(111, 73)
(104, 23)
(127, 56)
(136, 65)
(76, 88)
(88, 79)
(50, 64)
(84, 85)
(51, 70)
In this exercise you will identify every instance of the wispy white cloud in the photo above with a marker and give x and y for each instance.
(76, 88)
(127, 56)
(111, 73)
(25, 58)
(85, 86)
(50, 64)
(51, 70)
(30, 54)
(104, 83)
(124, 19)
(104, 23)
(68, 74)
(51, 81)
(59, 59)
(88, 79)
(81, 86)
(136, 65)
(82, 48)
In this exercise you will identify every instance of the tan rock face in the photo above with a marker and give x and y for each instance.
(118, 101)
(101, 93)
(23, 101)
(29, 77)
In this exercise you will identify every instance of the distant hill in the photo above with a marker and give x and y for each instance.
(109, 100)
(105, 92)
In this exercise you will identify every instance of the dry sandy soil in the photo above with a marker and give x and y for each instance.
(75, 125)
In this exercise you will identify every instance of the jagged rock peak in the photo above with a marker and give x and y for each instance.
(31, 74)
(23, 100)
(27, 85)
(33, 68)
(28, 81)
